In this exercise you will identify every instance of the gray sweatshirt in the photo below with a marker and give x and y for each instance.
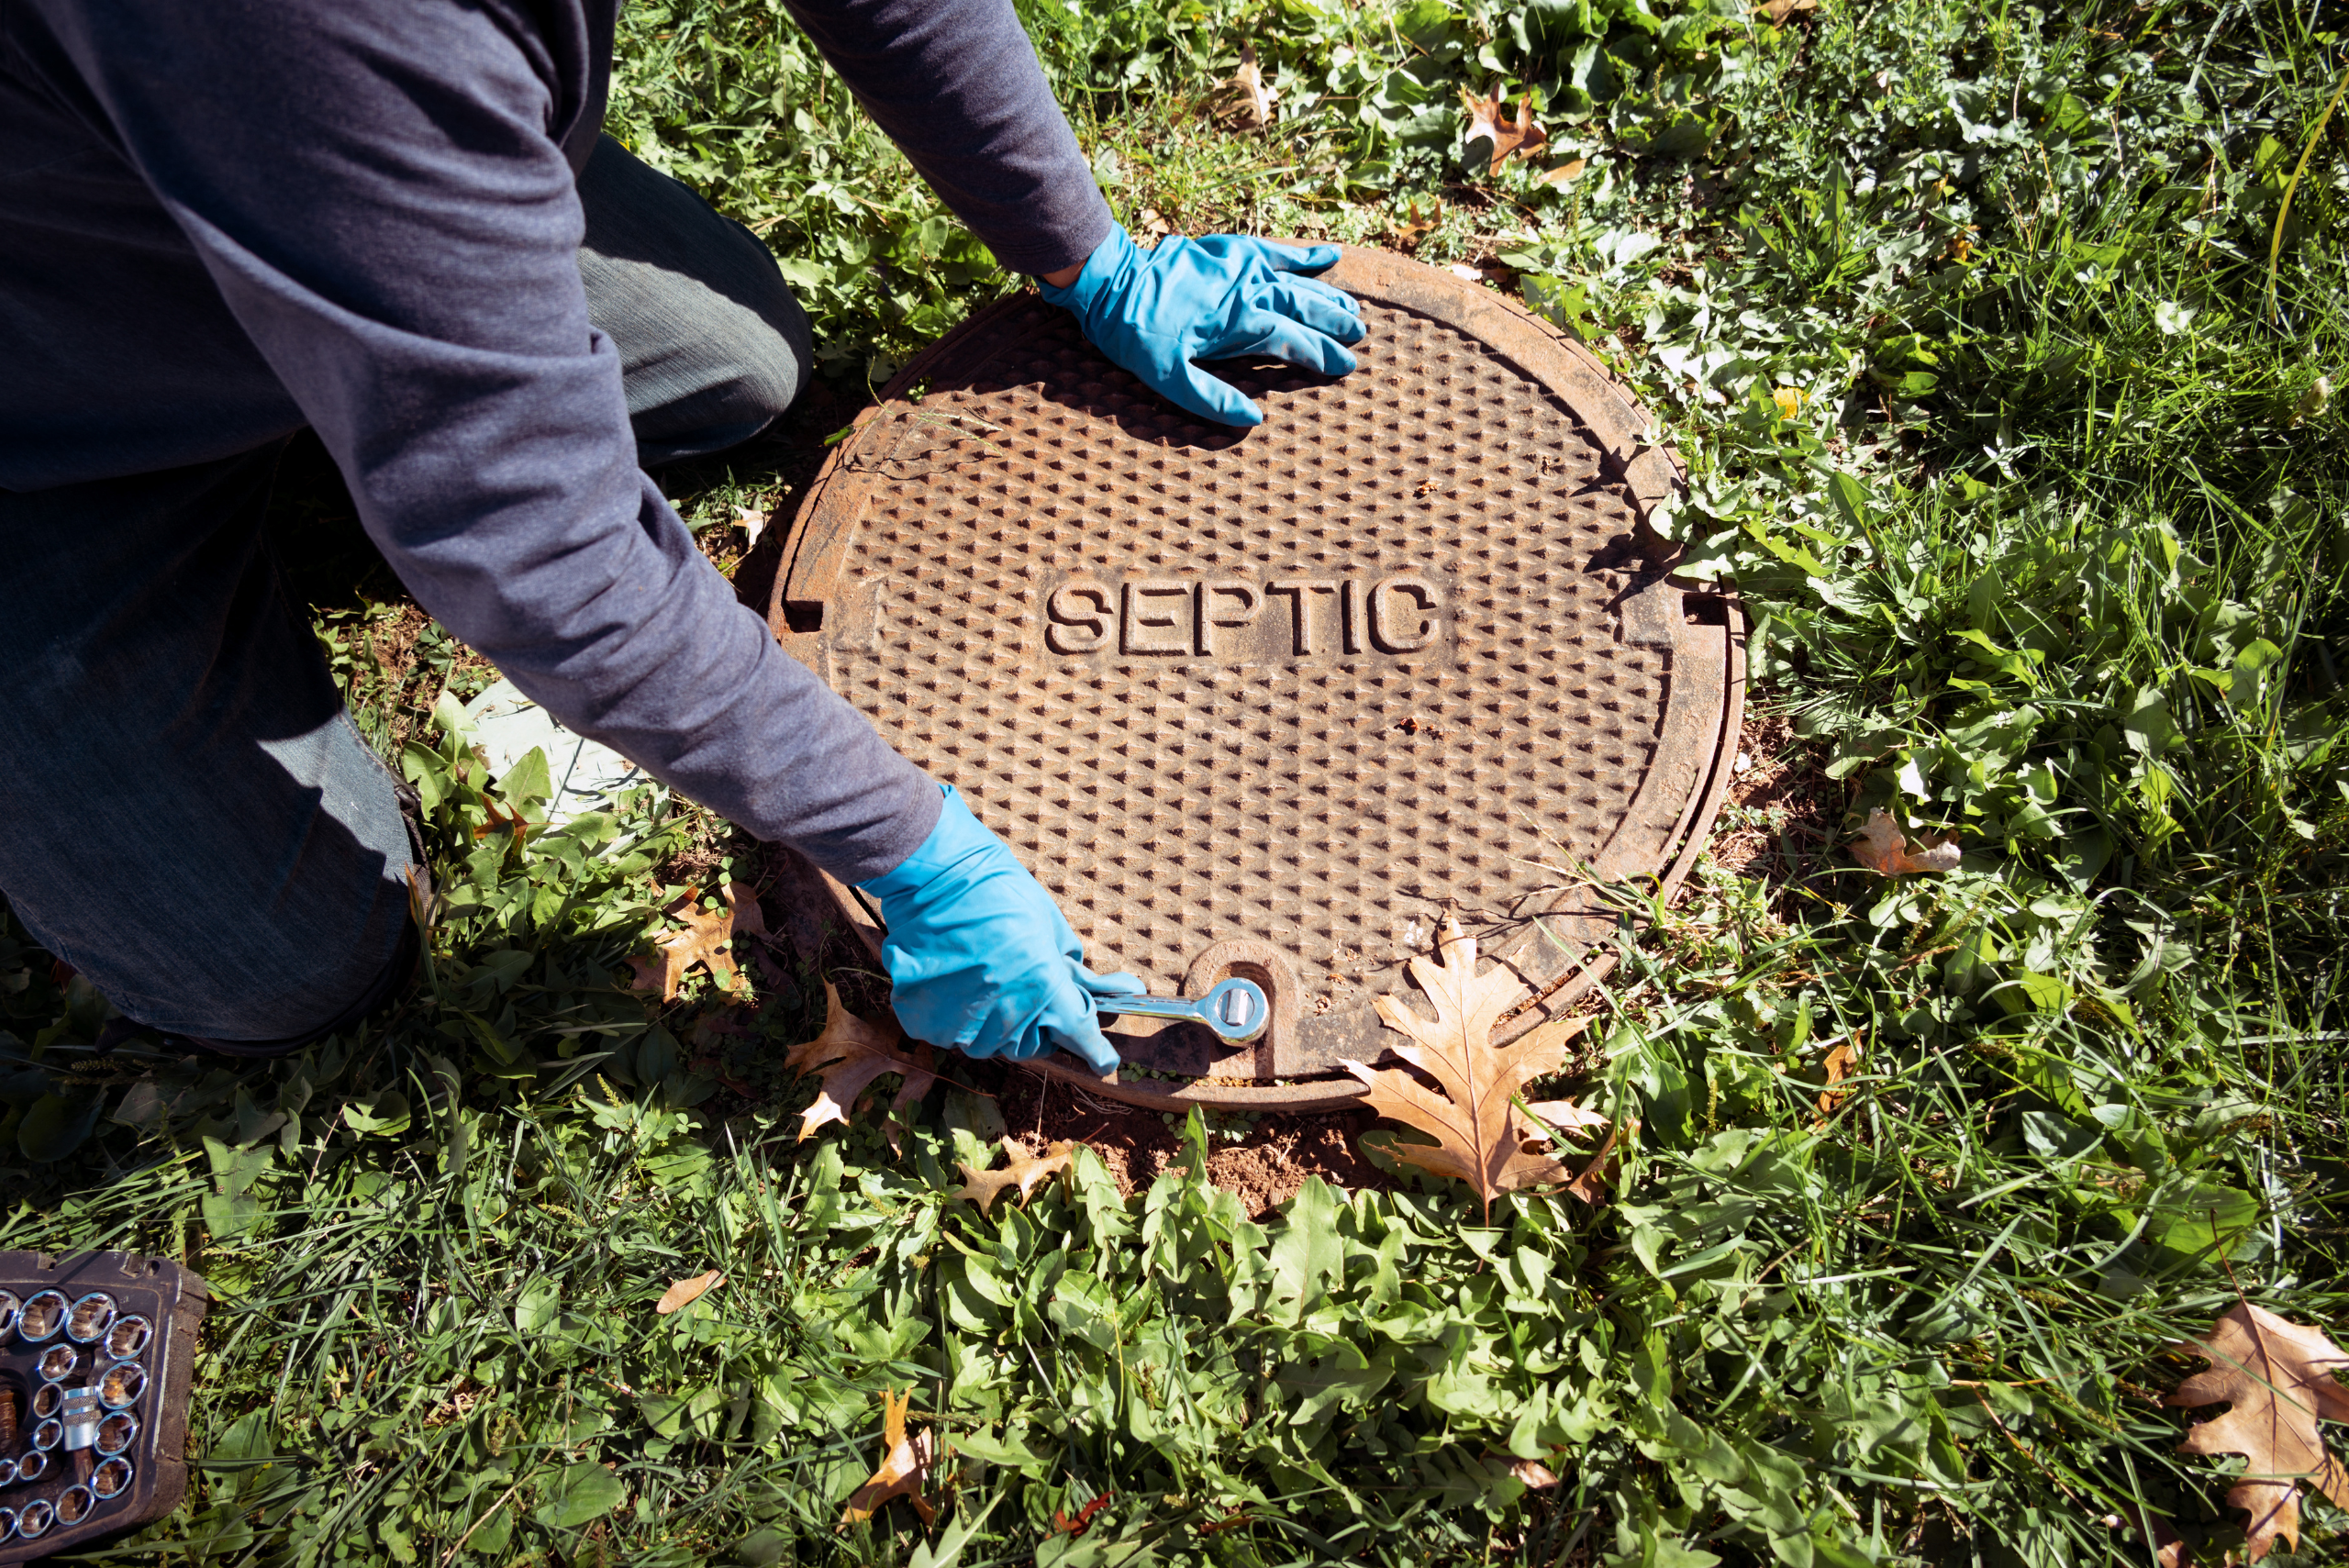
(222, 222)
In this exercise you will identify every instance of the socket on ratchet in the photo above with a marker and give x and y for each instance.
(1235, 1010)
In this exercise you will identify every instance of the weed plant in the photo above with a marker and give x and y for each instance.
(2002, 343)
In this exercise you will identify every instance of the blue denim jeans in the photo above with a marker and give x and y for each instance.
(187, 812)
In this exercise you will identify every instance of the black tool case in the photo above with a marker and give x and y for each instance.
(96, 1354)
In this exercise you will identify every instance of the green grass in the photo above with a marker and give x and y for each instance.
(2050, 552)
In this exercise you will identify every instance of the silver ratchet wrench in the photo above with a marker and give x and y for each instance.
(1235, 1010)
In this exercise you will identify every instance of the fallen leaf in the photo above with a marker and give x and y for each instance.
(1533, 1473)
(687, 1290)
(1566, 173)
(1520, 136)
(1067, 1526)
(1566, 1116)
(1411, 225)
(1256, 100)
(983, 1187)
(1480, 1137)
(2278, 1376)
(1885, 849)
(1590, 1185)
(916, 1084)
(847, 1057)
(511, 816)
(905, 1465)
(743, 901)
(706, 939)
(2169, 1547)
(1840, 1062)
(1777, 11)
(420, 899)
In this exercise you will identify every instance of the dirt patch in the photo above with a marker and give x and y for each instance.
(1263, 1162)
(1784, 817)
(1264, 1165)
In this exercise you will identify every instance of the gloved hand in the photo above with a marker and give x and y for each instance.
(1156, 311)
(979, 956)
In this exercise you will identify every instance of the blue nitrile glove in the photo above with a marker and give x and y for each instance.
(979, 956)
(1221, 297)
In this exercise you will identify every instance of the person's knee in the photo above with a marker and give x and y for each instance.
(776, 360)
(742, 380)
(713, 346)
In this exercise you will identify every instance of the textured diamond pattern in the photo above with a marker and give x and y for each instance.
(1330, 804)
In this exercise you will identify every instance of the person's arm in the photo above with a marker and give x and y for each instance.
(380, 193)
(956, 84)
(377, 191)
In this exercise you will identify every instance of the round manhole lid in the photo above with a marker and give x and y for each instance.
(1271, 702)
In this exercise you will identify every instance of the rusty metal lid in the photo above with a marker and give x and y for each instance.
(1269, 702)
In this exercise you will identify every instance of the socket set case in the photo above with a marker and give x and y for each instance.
(96, 1353)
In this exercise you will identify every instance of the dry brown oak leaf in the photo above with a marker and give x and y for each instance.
(686, 1291)
(983, 1187)
(1566, 1116)
(847, 1057)
(1482, 1138)
(708, 939)
(1885, 849)
(1533, 1472)
(1839, 1065)
(1407, 228)
(1520, 136)
(1571, 1119)
(905, 1465)
(1256, 100)
(2278, 1375)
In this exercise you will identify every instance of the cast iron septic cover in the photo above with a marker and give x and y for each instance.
(1271, 702)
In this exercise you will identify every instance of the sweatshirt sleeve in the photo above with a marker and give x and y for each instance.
(957, 85)
(378, 190)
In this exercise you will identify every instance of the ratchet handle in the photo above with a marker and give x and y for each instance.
(1235, 1010)
(1148, 1007)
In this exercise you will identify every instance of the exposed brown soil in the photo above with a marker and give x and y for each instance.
(1264, 1167)
(1785, 816)
(1264, 1162)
